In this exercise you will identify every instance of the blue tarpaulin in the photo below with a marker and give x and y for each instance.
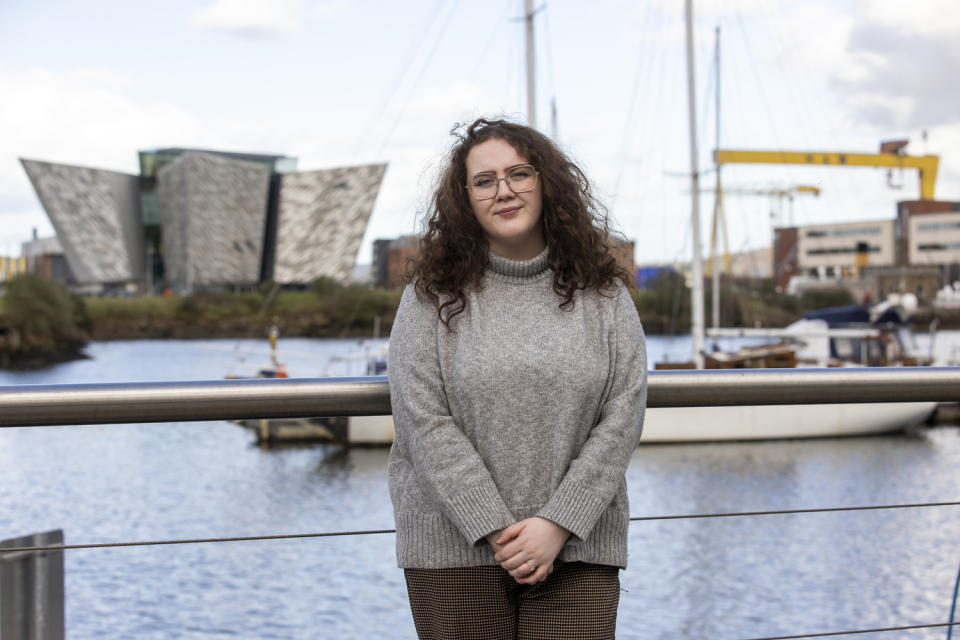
(646, 275)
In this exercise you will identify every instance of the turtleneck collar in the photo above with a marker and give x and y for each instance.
(519, 269)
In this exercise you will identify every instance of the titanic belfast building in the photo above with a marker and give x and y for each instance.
(196, 220)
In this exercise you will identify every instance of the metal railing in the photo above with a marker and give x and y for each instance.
(111, 403)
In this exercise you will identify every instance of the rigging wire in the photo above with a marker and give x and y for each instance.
(406, 63)
(520, 84)
(659, 63)
(626, 134)
(677, 293)
(797, 104)
(727, 514)
(738, 105)
(844, 187)
(548, 54)
(652, 74)
(498, 24)
(756, 75)
(419, 77)
(672, 68)
(512, 66)
(741, 222)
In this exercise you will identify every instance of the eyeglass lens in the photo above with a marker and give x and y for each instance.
(519, 179)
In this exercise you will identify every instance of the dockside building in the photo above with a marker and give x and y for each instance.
(917, 251)
(197, 219)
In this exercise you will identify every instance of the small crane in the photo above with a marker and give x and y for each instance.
(779, 194)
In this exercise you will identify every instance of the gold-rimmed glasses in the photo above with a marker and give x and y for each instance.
(519, 179)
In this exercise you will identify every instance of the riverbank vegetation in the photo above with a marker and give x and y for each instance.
(325, 309)
(41, 322)
(664, 306)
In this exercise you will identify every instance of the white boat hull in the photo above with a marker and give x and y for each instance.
(706, 424)
(775, 422)
(370, 430)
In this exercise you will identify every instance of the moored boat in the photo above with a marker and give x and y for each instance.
(353, 430)
(854, 335)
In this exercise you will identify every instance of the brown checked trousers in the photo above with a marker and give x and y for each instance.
(577, 601)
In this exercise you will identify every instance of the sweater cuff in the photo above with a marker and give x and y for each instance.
(575, 508)
(478, 511)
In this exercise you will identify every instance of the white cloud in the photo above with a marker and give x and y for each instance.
(934, 17)
(891, 64)
(263, 18)
(821, 54)
(944, 141)
(76, 118)
(327, 10)
(251, 18)
(423, 117)
(437, 102)
(703, 10)
(82, 117)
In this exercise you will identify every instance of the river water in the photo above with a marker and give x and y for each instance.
(718, 578)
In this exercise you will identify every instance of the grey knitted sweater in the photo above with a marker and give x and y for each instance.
(522, 409)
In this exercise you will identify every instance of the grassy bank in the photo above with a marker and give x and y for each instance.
(324, 310)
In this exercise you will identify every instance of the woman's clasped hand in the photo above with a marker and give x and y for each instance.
(528, 548)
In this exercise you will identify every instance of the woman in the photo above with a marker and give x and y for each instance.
(518, 384)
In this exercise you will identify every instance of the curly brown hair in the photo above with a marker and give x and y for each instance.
(454, 251)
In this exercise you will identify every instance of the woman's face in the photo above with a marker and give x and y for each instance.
(510, 221)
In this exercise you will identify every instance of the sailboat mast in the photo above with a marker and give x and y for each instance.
(531, 72)
(717, 203)
(697, 290)
(554, 130)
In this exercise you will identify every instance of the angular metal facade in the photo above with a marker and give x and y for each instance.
(212, 212)
(96, 214)
(225, 219)
(322, 218)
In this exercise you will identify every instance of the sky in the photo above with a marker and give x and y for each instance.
(341, 83)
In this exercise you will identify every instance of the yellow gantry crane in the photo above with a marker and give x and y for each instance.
(892, 156)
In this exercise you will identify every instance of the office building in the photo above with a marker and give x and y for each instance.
(907, 251)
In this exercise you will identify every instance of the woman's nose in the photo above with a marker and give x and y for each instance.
(503, 189)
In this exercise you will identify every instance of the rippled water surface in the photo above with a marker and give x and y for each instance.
(717, 578)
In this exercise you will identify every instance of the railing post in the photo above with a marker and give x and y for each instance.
(31, 589)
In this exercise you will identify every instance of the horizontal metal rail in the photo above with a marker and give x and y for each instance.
(44, 405)
(4, 552)
(850, 632)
